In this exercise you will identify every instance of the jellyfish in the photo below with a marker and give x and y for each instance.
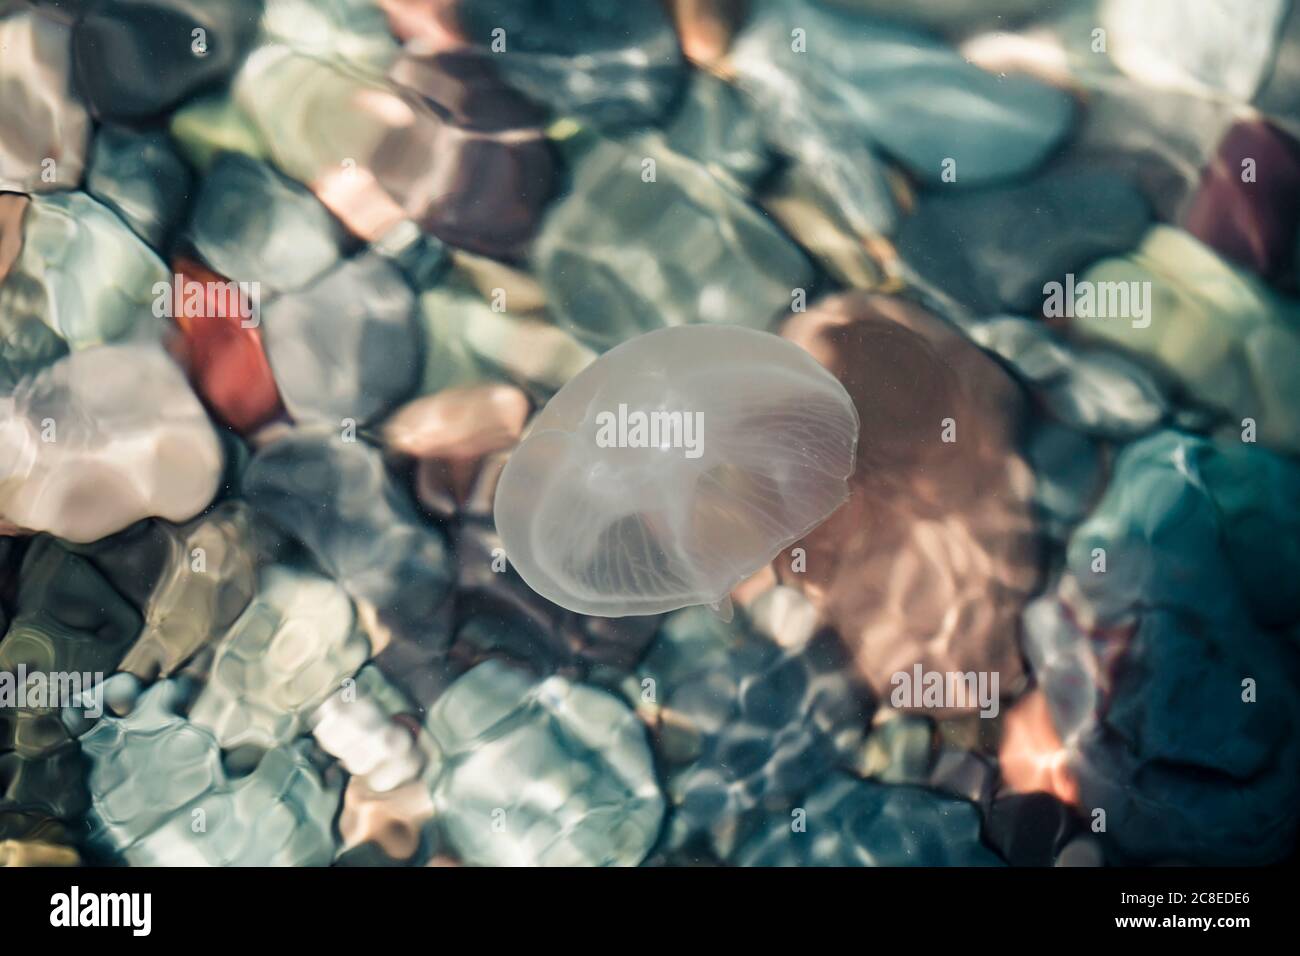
(672, 468)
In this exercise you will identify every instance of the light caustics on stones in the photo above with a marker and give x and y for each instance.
(599, 523)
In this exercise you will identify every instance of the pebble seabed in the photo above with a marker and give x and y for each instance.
(283, 283)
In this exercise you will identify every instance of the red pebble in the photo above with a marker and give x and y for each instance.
(225, 361)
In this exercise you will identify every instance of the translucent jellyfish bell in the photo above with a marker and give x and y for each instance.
(673, 467)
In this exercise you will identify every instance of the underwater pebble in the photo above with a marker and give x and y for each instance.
(136, 58)
(995, 251)
(610, 65)
(1093, 390)
(206, 579)
(1229, 340)
(909, 94)
(162, 798)
(286, 653)
(45, 126)
(81, 279)
(681, 249)
(337, 498)
(743, 723)
(103, 438)
(850, 822)
(547, 773)
(252, 225)
(1224, 49)
(348, 347)
(1143, 663)
(142, 179)
(932, 557)
(218, 341)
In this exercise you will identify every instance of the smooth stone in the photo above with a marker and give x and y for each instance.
(251, 224)
(359, 725)
(45, 129)
(764, 722)
(392, 827)
(82, 279)
(719, 128)
(68, 619)
(1031, 756)
(222, 351)
(67, 615)
(460, 424)
(31, 345)
(995, 250)
(1069, 472)
(208, 126)
(1229, 340)
(610, 64)
(904, 91)
(492, 167)
(207, 578)
(619, 256)
(799, 206)
(453, 431)
(154, 773)
(1032, 829)
(348, 347)
(469, 341)
(853, 822)
(288, 651)
(36, 853)
(1225, 49)
(325, 128)
(500, 731)
(131, 442)
(135, 59)
(1256, 223)
(337, 498)
(961, 773)
(805, 121)
(351, 139)
(936, 551)
(1095, 391)
(1160, 139)
(353, 32)
(140, 177)
(1214, 522)
(280, 815)
(1143, 663)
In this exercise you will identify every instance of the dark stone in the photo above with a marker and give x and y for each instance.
(134, 59)
(608, 62)
(494, 168)
(1031, 829)
(251, 224)
(142, 179)
(995, 249)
